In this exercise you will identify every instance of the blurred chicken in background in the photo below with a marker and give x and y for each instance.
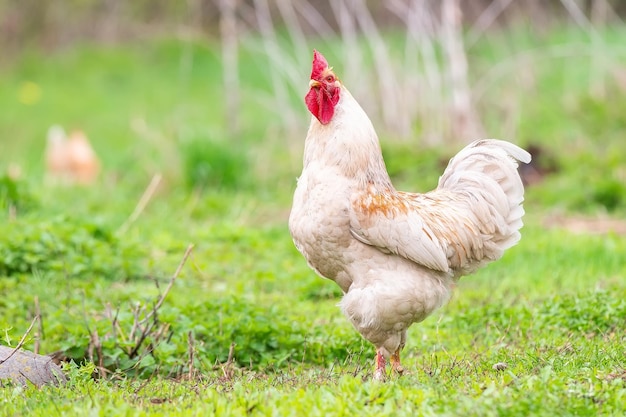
(70, 160)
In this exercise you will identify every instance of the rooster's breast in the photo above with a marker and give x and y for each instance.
(320, 225)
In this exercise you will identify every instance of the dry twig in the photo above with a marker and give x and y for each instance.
(227, 368)
(169, 285)
(143, 202)
(39, 333)
(21, 342)
(191, 349)
(141, 324)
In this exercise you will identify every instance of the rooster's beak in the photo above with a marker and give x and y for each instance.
(314, 83)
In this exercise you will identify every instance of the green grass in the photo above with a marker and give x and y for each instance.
(552, 310)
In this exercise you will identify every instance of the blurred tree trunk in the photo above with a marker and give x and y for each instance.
(109, 22)
(599, 17)
(465, 126)
(230, 63)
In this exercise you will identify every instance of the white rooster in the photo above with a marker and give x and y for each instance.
(396, 255)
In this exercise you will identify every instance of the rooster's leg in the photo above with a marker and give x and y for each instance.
(380, 373)
(395, 358)
(395, 362)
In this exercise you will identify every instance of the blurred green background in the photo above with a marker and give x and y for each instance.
(210, 93)
(195, 112)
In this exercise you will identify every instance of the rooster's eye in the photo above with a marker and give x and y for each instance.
(330, 79)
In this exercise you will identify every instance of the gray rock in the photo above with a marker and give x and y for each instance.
(500, 366)
(26, 367)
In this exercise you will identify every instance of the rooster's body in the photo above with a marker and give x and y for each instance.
(70, 160)
(395, 255)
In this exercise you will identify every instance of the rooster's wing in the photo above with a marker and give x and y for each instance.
(469, 220)
(429, 229)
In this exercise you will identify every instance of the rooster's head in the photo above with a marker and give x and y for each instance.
(325, 88)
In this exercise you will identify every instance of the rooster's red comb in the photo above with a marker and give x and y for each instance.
(319, 65)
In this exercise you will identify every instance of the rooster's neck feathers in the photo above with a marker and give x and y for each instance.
(349, 143)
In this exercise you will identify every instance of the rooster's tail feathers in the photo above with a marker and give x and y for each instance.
(485, 172)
